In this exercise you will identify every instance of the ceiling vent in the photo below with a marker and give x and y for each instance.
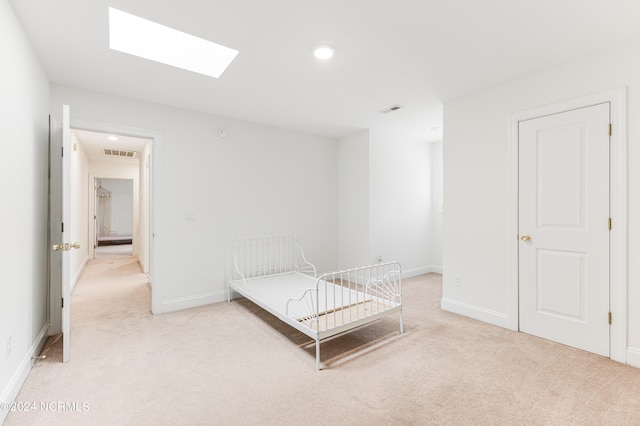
(392, 108)
(118, 153)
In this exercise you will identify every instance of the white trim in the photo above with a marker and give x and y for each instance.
(76, 277)
(194, 301)
(512, 218)
(10, 393)
(476, 312)
(618, 240)
(421, 270)
(618, 210)
(633, 357)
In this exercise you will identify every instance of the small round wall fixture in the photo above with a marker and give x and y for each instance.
(223, 133)
(324, 51)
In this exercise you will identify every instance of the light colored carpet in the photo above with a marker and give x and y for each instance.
(235, 364)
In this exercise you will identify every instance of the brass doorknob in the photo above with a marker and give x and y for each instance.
(65, 246)
(526, 238)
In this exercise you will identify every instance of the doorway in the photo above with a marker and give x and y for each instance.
(617, 235)
(96, 150)
(113, 222)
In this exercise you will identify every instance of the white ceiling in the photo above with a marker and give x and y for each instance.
(416, 53)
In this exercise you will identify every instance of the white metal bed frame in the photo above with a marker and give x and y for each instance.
(272, 272)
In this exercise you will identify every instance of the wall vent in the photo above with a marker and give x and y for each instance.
(118, 153)
(392, 108)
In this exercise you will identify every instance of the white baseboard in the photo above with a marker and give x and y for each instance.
(10, 393)
(79, 272)
(421, 270)
(633, 357)
(486, 315)
(194, 301)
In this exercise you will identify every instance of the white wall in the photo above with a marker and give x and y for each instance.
(80, 210)
(258, 179)
(400, 196)
(353, 201)
(435, 238)
(24, 127)
(476, 168)
(390, 187)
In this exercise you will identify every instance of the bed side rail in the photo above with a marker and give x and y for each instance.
(263, 255)
(347, 296)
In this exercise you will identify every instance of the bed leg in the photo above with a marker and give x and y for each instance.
(317, 355)
(401, 324)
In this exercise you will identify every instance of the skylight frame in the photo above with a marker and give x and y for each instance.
(149, 40)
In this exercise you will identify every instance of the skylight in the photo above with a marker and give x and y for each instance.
(146, 39)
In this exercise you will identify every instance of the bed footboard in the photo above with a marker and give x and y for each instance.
(347, 299)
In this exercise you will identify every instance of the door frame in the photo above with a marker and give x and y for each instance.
(154, 212)
(617, 205)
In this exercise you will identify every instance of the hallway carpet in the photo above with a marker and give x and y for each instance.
(234, 364)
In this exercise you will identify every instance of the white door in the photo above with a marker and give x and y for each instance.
(564, 227)
(61, 224)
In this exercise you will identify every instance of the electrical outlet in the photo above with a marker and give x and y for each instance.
(458, 279)
(9, 345)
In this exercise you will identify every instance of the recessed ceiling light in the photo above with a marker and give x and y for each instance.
(324, 51)
(149, 40)
(112, 138)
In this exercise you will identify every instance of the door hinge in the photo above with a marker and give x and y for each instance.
(62, 227)
(62, 302)
(609, 224)
(62, 151)
(610, 129)
(609, 318)
(95, 217)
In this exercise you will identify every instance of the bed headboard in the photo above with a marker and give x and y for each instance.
(262, 255)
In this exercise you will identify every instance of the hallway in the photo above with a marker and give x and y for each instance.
(112, 286)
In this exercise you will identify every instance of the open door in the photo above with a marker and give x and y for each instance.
(60, 225)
